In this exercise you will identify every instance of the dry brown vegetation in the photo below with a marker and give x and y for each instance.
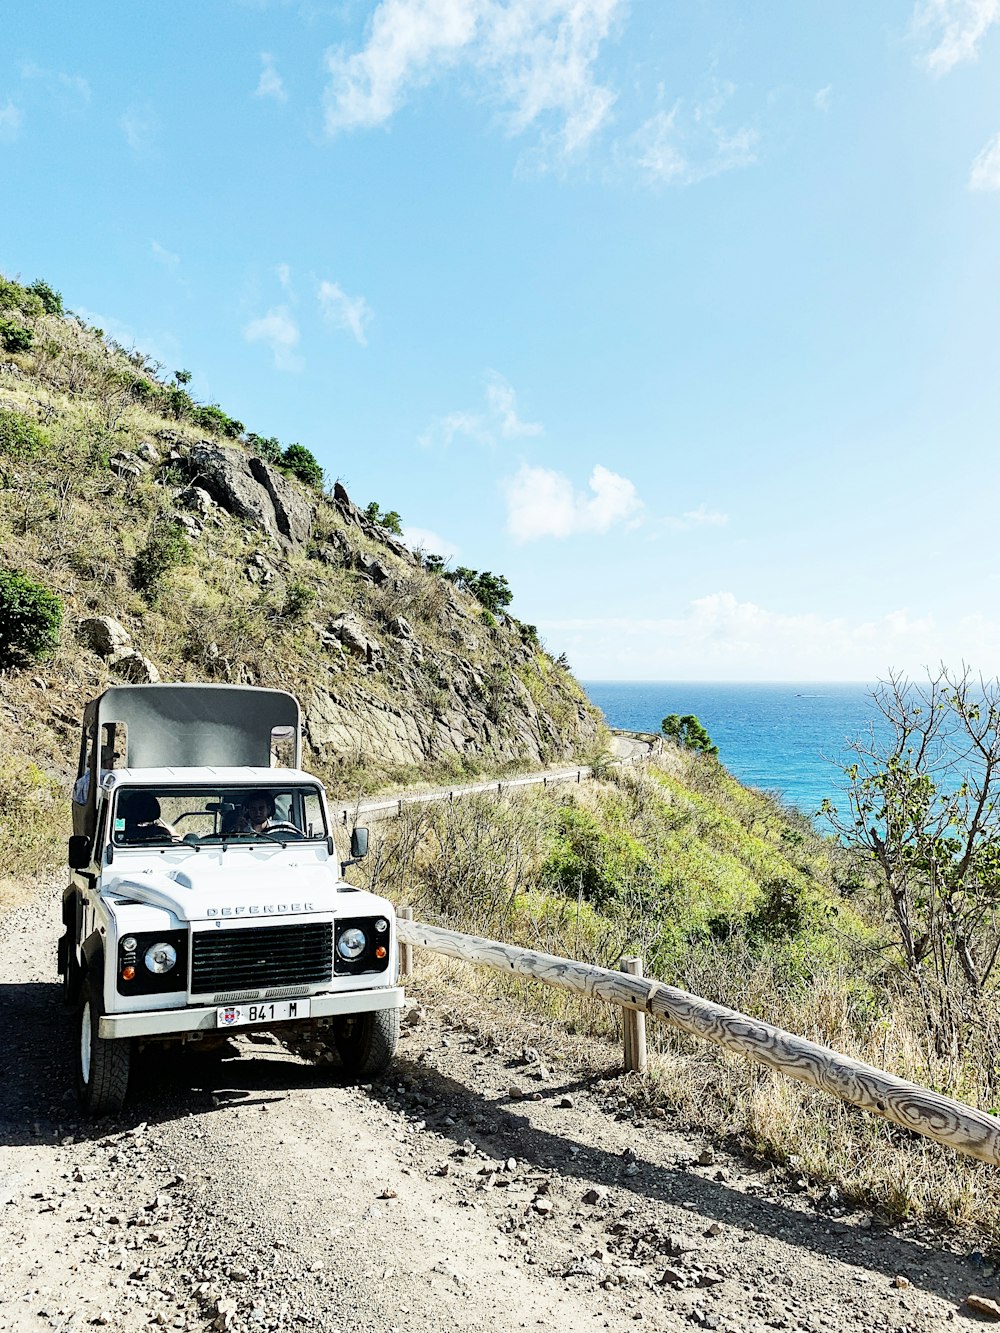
(810, 959)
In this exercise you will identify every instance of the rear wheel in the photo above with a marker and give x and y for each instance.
(102, 1065)
(366, 1043)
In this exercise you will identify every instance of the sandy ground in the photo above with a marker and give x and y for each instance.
(492, 1181)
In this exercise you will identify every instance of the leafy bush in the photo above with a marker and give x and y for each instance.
(388, 519)
(265, 446)
(688, 732)
(177, 403)
(491, 590)
(20, 439)
(51, 300)
(15, 337)
(298, 599)
(214, 419)
(15, 297)
(166, 549)
(301, 463)
(30, 619)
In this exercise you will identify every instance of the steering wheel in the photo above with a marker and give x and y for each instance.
(284, 828)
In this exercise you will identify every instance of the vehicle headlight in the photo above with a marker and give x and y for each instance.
(160, 957)
(352, 943)
(381, 925)
(129, 944)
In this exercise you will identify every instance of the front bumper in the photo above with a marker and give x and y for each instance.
(164, 1022)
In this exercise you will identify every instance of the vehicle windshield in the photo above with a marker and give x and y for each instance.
(198, 815)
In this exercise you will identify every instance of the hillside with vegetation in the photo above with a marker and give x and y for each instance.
(148, 537)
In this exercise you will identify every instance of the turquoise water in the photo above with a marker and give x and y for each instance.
(784, 738)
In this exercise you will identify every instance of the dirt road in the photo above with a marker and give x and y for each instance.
(490, 1183)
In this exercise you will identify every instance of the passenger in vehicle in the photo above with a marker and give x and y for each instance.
(142, 819)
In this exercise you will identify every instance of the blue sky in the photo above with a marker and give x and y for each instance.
(682, 316)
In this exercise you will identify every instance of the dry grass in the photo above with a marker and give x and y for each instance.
(475, 867)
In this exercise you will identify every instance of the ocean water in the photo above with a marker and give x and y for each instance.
(785, 738)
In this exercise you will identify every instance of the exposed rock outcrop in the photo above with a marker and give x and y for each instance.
(249, 489)
(103, 635)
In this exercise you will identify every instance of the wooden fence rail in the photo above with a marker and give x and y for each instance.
(946, 1121)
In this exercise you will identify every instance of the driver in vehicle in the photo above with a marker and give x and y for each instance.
(257, 815)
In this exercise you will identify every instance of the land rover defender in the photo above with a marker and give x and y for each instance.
(206, 894)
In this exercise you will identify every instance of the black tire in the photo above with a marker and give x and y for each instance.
(102, 1065)
(366, 1043)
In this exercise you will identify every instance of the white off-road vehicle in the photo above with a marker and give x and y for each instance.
(206, 894)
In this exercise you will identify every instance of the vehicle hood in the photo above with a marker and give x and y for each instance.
(240, 885)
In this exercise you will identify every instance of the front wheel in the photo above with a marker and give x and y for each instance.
(102, 1065)
(366, 1043)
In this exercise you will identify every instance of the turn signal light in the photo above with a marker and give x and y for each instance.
(128, 973)
(380, 951)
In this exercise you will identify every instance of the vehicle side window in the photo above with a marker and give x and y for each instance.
(313, 811)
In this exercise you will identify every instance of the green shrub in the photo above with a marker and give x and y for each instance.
(51, 300)
(301, 463)
(265, 446)
(15, 337)
(30, 619)
(491, 590)
(388, 519)
(166, 549)
(688, 732)
(214, 419)
(177, 403)
(298, 599)
(15, 297)
(20, 439)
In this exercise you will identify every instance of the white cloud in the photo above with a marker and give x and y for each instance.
(544, 503)
(270, 83)
(284, 272)
(57, 82)
(163, 256)
(423, 539)
(718, 637)
(702, 517)
(986, 168)
(352, 313)
(11, 120)
(139, 126)
(689, 144)
(955, 29)
(536, 57)
(277, 330)
(822, 98)
(499, 420)
(502, 403)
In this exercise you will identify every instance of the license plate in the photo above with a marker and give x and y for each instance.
(264, 1011)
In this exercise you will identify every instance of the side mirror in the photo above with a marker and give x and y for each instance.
(79, 852)
(359, 843)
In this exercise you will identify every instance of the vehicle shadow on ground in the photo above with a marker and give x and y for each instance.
(38, 1101)
(501, 1128)
(36, 1069)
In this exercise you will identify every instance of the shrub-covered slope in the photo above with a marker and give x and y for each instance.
(181, 546)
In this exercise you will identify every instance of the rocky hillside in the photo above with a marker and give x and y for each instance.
(182, 547)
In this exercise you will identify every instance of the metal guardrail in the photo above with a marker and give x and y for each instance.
(943, 1119)
(393, 805)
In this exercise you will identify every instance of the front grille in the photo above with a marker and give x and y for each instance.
(230, 960)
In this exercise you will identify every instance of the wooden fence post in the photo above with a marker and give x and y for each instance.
(405, 948)
(634, 1025)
